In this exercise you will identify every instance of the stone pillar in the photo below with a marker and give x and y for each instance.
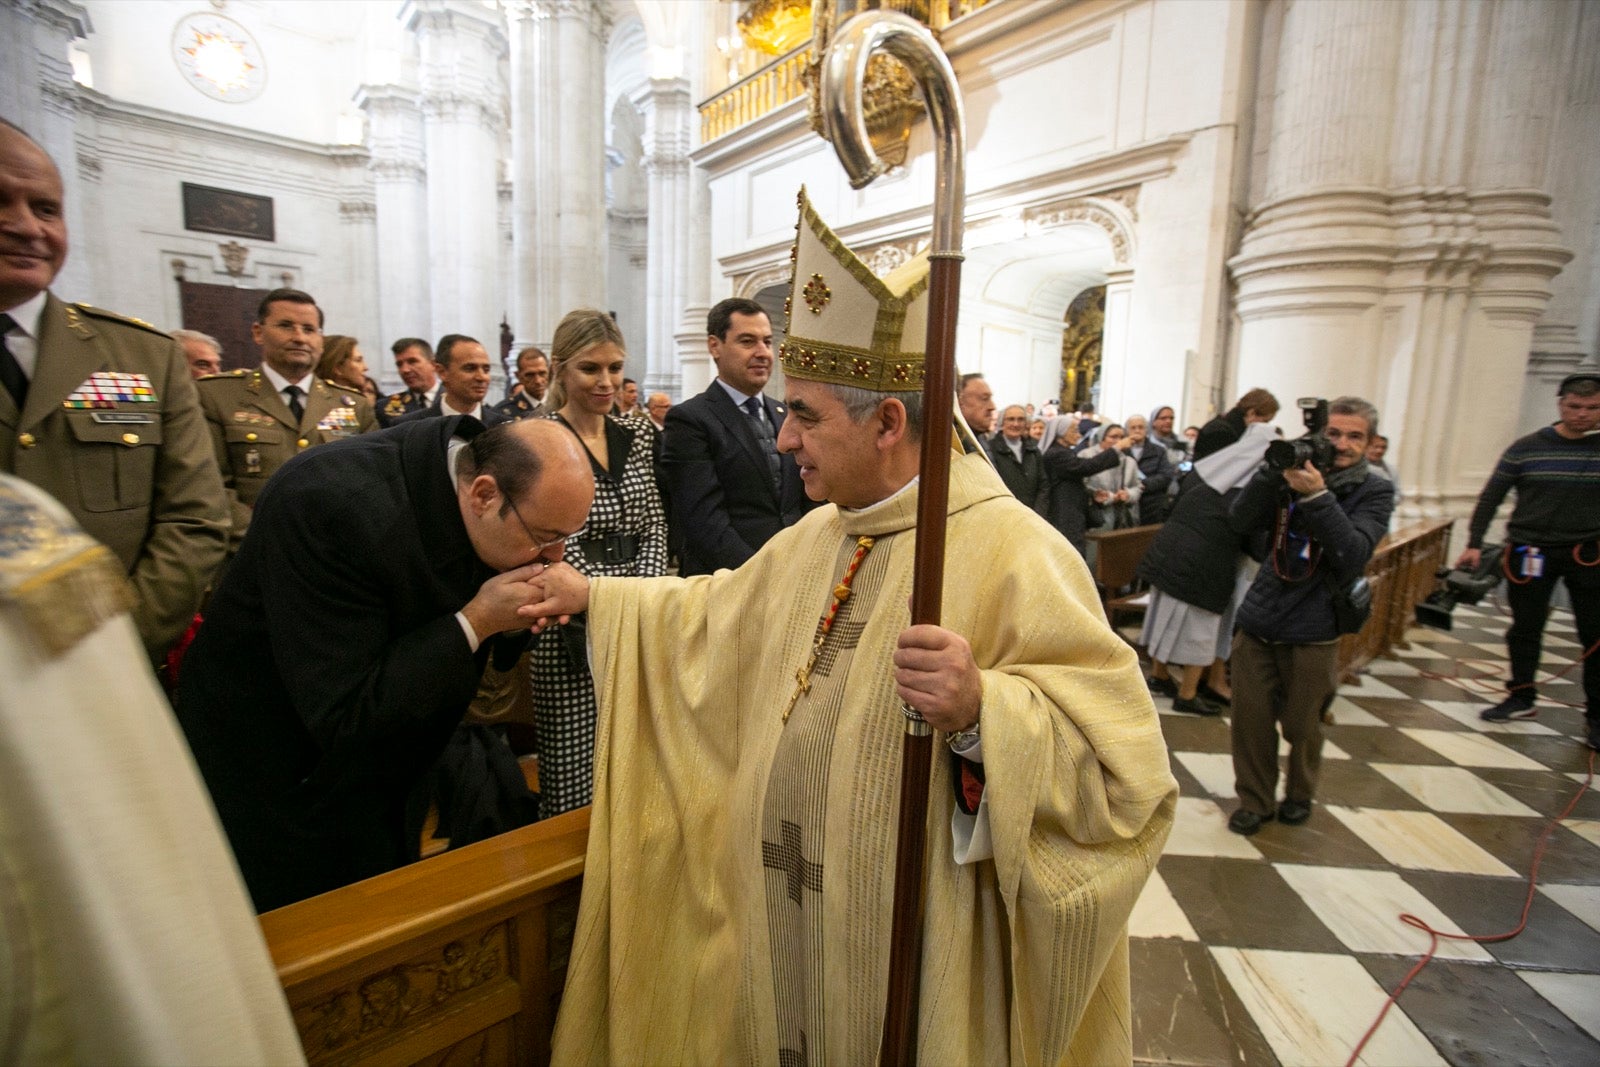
(557, 161)
(400, 206)
(1116, 362)
(1317, 245)
(352, 303)
(461, 47)
(692, 365)
(1401, 247)
(669, 116)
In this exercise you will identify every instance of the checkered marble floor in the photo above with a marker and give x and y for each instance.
(1280, 948)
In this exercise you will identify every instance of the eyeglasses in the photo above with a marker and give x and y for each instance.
(538, 545)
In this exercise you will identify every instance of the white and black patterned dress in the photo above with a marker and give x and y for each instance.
(627, 510)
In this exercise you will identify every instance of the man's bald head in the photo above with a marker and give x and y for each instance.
(33, 222)
(523, 488)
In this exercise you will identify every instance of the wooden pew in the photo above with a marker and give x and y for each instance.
(1402, 574)
(457, 959)
(1116, 564)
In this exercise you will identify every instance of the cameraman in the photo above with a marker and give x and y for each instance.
(1323, 524)
(1554, 532)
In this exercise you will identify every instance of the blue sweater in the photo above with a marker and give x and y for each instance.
(1557, 480)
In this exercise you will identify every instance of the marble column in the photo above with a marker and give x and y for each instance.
(400, 206)
(669, 115)
(351, 303)
(692, 367)
(557, 161)
(1400, 244)
(461, 47)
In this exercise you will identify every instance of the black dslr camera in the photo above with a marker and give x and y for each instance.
(1313, 447)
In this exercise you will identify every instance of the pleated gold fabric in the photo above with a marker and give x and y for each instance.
(1025, 956)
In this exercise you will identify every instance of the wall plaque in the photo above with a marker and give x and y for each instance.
(224, 211)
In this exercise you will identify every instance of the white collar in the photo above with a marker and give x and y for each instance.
(735, 395)
(447, 408)
(280, 383)
(28, 313)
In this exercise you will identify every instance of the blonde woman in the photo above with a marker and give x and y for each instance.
(625, 535)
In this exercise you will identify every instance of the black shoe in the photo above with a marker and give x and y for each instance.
(1214, 696)
(1515, 706)
(1162, 687)
(1594, 734)
(1247, 822)
(1196, 705)
(1293, 812)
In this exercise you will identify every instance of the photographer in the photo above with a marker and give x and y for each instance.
(1554, 533)
(1325, 512)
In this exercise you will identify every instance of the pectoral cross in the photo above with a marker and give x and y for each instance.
(802, 679)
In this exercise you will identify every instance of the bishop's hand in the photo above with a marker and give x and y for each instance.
(935, 673)
(559, 593)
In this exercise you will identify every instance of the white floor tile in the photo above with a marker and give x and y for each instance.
(1577, 995)
(1213, 770)
(1372, 687)
(1157, 914)
(1363, 910)
(1419, 649)
(1582, 900)
(1467, 714)
(1588, 829)
(1346, 713)
(1419, 841)
(1314, 1007)
(1201, 829)
(1453, 789)
(1382, 667)
(1332, 751)
(1472, 750)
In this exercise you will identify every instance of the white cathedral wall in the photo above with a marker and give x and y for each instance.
(1061, 102)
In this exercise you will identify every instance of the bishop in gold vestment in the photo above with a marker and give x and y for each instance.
(739, 880)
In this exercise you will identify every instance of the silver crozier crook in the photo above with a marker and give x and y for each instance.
(843, 79)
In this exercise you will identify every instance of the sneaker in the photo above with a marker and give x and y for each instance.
(1196, 705)
(1294, 812)
(1162, 687)
(1594, 734)
(1247, 822)
(1515, 706)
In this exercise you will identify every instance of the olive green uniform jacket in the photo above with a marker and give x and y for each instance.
(138, 474)
(253, 432)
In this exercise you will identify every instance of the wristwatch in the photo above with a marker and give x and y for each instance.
(962, 740)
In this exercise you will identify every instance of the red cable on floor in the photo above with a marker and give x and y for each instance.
(1435, 935)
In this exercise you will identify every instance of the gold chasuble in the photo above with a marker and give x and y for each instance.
(738, 888)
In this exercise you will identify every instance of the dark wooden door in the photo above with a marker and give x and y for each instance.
(225, 312)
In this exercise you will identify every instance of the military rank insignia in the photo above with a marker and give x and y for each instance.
(339, 422)
(107, 389)
(253, 418)
(396, 404)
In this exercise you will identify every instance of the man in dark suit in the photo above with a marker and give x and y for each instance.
(729, 488)
(463, 368)
(100, 411)
(347, 639)
(1016, 459)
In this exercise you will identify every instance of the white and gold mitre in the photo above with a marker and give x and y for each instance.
(847, 326)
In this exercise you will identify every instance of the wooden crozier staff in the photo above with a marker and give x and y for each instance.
(844, 75)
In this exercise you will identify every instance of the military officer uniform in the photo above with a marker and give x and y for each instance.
(520, 407)
(404, 403)
(111, 428)
(253, 432)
